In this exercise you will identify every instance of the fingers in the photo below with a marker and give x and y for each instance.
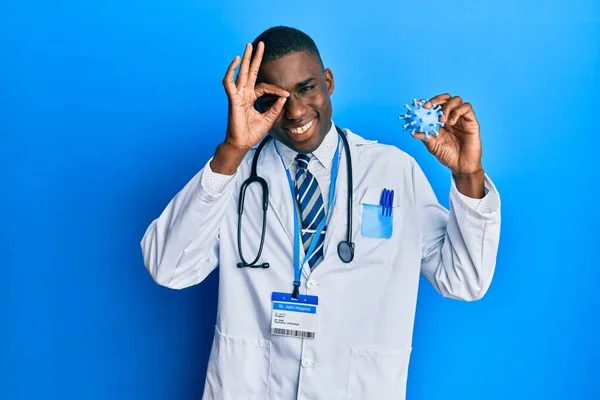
(243, 73)
(453, 108)
(256, 60)
(439, 99)
(448, 106)
(464, 110)
(447, 102)
(228, 82)
(273, 113)
(266, 88)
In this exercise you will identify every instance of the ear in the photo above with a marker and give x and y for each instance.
(329, 81)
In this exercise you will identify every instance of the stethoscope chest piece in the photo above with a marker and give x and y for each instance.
(346, 251)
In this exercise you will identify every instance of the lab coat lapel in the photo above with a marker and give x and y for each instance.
(280, 198)
(337, 223)
(337, 227)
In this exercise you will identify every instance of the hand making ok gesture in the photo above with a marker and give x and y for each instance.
(246, 126)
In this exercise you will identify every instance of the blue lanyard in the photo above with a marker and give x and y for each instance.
(319, 230)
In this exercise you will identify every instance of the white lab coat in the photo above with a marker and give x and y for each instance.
(366, 308)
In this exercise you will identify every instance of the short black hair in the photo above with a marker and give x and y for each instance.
(283, 40)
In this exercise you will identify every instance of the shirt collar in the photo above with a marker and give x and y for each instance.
(324, 153)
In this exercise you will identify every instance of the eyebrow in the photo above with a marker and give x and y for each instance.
(305, 82)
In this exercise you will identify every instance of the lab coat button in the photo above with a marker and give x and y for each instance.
(311, 284)
(306, 362)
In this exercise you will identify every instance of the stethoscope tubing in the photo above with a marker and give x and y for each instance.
(345, 248)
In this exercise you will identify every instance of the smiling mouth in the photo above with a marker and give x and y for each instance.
(302, 133)
(302, 129)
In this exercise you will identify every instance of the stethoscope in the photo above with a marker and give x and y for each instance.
(345, 247)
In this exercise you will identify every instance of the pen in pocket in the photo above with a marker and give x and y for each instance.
(386, 202)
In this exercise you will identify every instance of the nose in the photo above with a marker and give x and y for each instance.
(294, 108)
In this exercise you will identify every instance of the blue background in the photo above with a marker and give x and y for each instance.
(107, 108)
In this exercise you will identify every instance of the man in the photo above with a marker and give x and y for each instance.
(354, 342)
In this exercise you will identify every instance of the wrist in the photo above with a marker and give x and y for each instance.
(228, 158)
(470, 184)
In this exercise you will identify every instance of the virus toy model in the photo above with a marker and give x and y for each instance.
(419, 119)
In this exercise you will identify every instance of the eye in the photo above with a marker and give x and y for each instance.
(267, 101)
(306, 89)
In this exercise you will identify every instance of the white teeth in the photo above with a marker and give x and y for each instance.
(302, 129)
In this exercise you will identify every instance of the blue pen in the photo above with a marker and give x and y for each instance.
(386, 202)
(382, 201)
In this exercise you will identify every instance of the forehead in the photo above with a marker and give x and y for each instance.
(289, 70)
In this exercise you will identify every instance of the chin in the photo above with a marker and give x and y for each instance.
(308, 146)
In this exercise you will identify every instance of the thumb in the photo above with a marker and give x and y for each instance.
(428, 142)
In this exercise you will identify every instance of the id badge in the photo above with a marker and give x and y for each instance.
(295, 318)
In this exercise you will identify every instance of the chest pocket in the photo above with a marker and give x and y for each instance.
(376, 221)
(378, 231)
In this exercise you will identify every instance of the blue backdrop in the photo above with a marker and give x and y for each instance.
(107, 108)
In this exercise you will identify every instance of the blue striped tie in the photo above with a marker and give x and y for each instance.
(312, 208)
